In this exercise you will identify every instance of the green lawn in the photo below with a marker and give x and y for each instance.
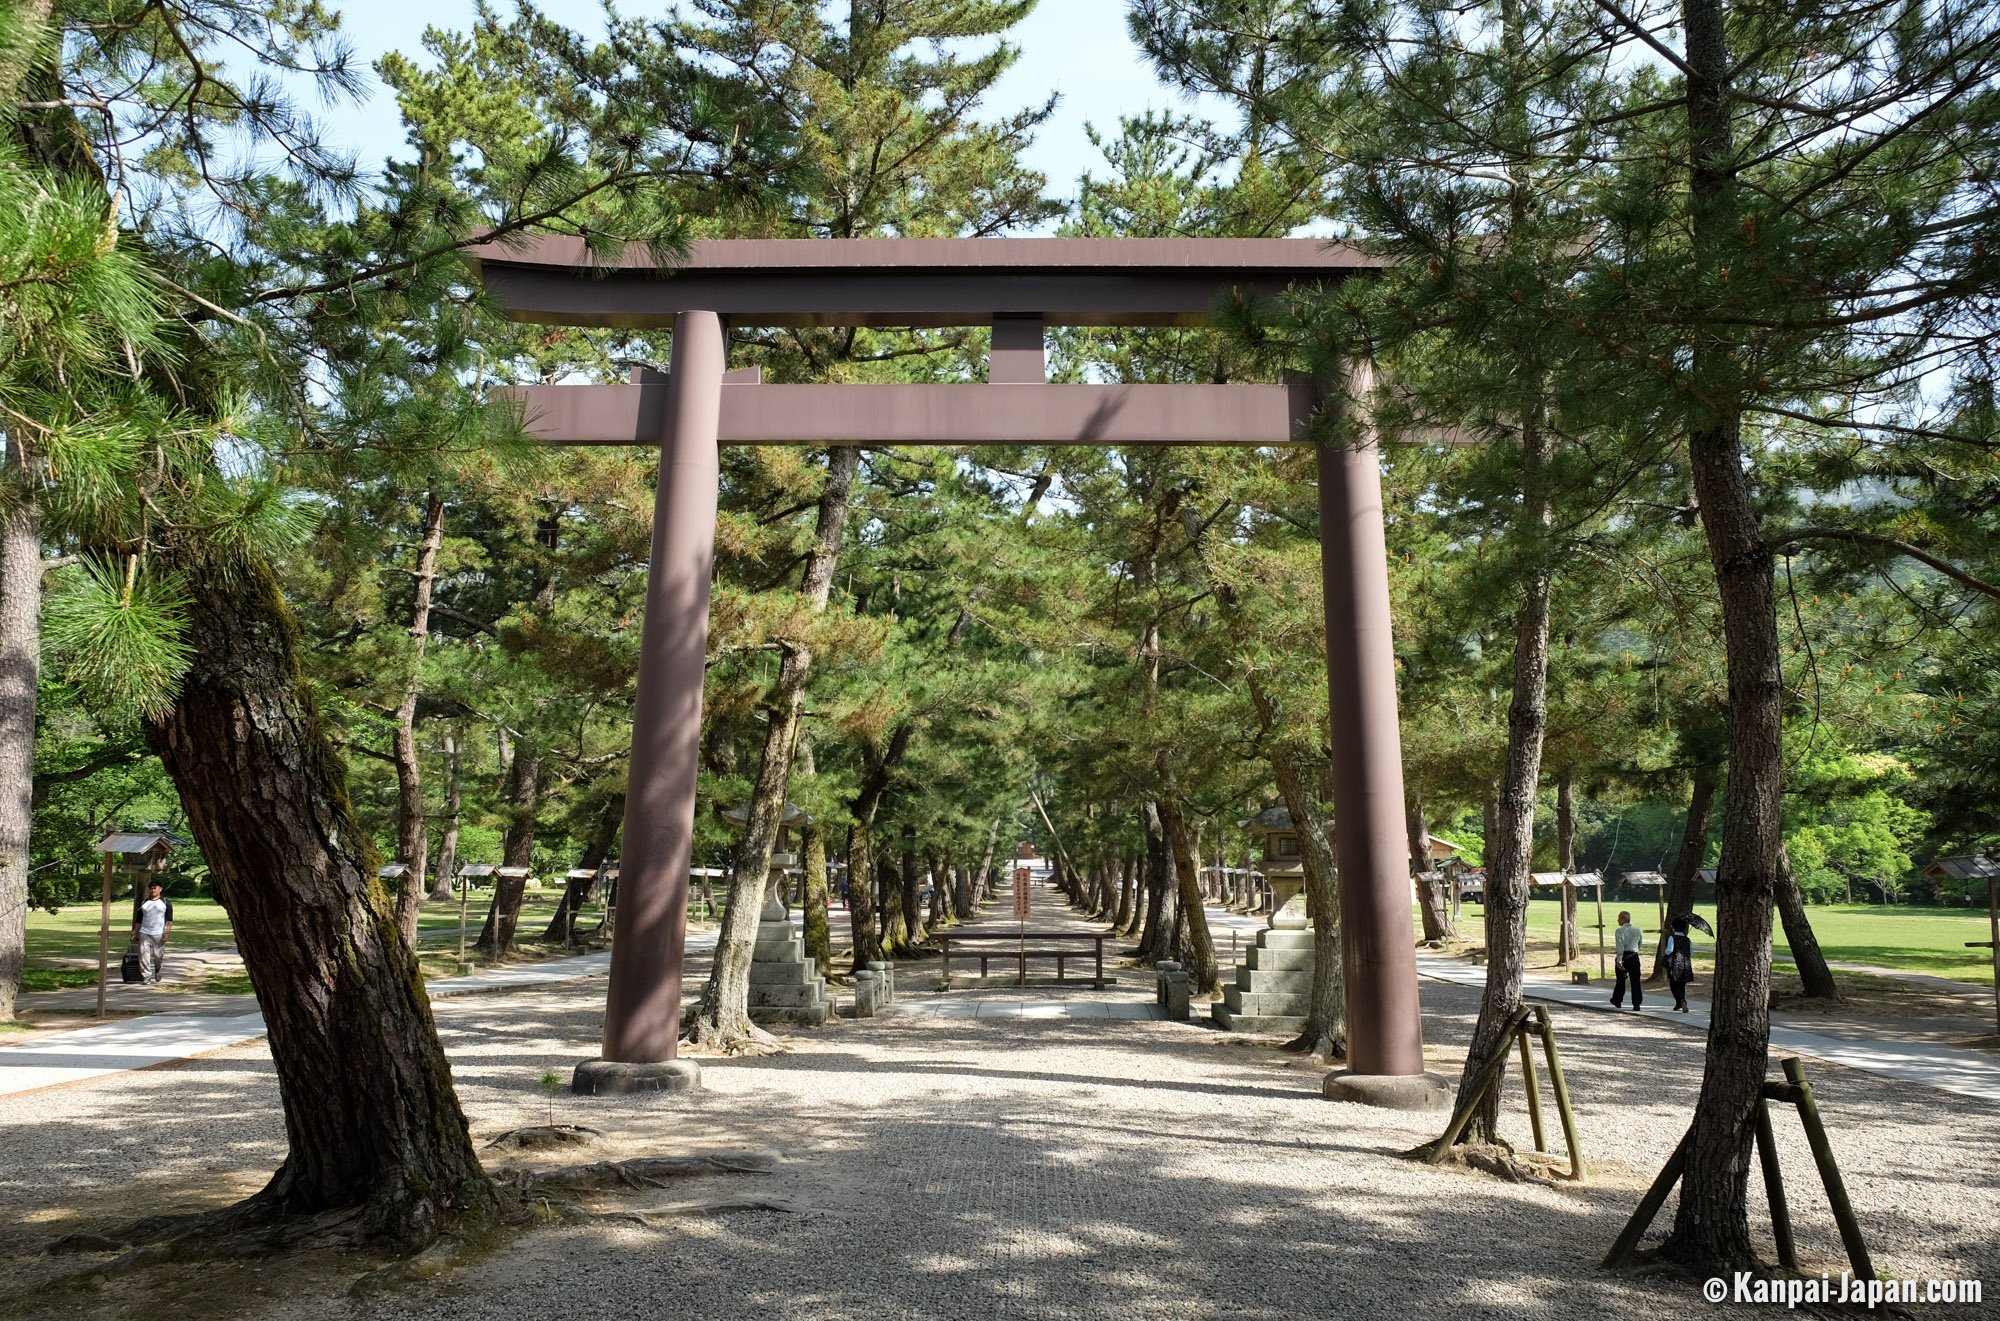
(1907, 937)
(201, 924)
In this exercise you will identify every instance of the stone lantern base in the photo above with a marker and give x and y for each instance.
(785, 985)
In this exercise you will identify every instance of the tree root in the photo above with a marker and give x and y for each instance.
(1317, 1042)
(537, 1137)
(1498, 1158)
(253, 1227)
(640, 1172)
(657, 1216)
(746, 1038)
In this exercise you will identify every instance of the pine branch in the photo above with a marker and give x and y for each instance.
(1795, 536)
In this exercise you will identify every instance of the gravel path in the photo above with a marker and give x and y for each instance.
(1019, 1168)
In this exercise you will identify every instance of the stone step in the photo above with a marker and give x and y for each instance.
(1240, 1001)
(791, 1016)
(1268, 981)
(1279, 960)
(1279, 1025)
(787, 997)
(789, 950)
(797, 973)
(1271, 938)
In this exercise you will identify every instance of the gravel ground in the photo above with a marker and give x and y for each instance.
(948, 1168)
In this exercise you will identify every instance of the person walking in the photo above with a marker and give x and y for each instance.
(1679, 960)
(1629, 939)
(155, 924)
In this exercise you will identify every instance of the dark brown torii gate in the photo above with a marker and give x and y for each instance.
(1019, 287)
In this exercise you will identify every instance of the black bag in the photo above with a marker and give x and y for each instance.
(128, 967)
(1680, 968)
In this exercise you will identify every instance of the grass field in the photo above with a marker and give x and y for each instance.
(201, 924)
(1905, 937)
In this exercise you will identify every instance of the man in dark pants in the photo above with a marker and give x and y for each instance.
(1629, 939)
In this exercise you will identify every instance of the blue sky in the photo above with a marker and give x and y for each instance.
(1077, 48)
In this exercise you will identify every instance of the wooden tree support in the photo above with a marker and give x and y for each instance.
(1798, 1092)
(1517, 1033)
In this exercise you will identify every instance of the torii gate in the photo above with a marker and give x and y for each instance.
(1018, 287)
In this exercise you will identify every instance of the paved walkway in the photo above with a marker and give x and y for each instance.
(140, 1043)
(1947, 1068)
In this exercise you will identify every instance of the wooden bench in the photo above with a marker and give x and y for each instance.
(1019, 947)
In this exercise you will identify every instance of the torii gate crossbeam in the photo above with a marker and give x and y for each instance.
(1019, 287)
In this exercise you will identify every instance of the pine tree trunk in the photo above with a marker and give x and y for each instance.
(604, 830)
(961, 893)
(816, 896)
(1325, 1032)
(447, 863)
(375, 1129)
(1682, 879)
(912, 890)
(723, 1018)
(879, 932)
(1815, 977)
(1123, 917)
(1430, 892)
(861, 894)
(517, 849)
(1152, 937)
(1566, 934)
(412, 849)
(982, 881)
(1196, 946)
(1712, 1226)
(1510, 846)
(20, 676)
(940, 888)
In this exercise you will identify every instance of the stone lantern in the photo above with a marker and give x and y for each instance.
(782, 857)
(785, 983)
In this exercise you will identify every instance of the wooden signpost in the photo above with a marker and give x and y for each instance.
(1021, 916)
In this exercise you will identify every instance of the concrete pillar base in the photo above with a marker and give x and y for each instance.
(614, 1078)
(1411, 1091)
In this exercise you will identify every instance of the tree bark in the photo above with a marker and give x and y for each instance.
(1430, 893)
(1196, 946)
(1325, 1032)
(1566, 935)
(447, 863)
(517, 849)
(861, 894)
(1157, 929)
(1712, 1226)
(1126, 877)
(879, 932)
(1686, 872)
(982, 881)
(21, 571)
(723, 1017)
(1510, 846)
(913, 907)
(1815, 977)
(816, 898)
(375, 1129)
(940, 888)
(604, 830)
(412, 849)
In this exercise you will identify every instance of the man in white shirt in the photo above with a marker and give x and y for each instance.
(155, 924)
(1629, 939)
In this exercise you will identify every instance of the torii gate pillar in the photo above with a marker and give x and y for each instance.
(642, 1010)
(1385, 1061)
